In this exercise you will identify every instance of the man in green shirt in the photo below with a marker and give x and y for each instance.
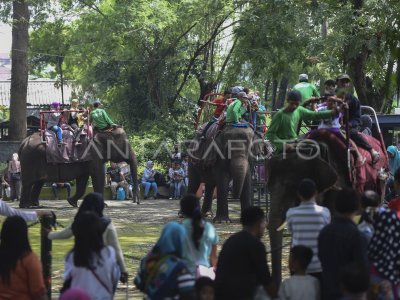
(284, 124)
(237, 108)
(306, 89)
(99, 118)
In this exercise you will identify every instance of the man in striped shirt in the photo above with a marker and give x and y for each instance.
(306, 221)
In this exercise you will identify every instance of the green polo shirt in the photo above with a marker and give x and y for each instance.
(307, 90)
(100, 119)
(283, 127)
(235, 111)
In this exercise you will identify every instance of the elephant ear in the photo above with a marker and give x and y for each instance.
(292, 169)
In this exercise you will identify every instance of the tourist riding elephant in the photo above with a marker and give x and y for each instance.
(225, 158)
(105, 146)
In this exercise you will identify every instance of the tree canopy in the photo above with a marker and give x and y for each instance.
(150, 61)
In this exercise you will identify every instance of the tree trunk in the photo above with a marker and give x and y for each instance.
(274, 91)
(266, 91)
(282, 92)
(19, 70)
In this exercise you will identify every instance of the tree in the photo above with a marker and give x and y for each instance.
(19, 70)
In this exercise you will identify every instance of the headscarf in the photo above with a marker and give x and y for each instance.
(149, 165)
(384, 248)
(394, 163)
(171, 239)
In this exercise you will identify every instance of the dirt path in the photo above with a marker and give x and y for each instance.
(138, 228)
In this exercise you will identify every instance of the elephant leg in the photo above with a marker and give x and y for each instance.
(25, 200)
(194, 180)
(276, 218)
(245, 197)
(81, 183)
(37, 187)
(222, 213)
(207, 203)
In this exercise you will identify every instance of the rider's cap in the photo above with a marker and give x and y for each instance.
(242, 95)
(237, 89)
(343, 76)
(294, 95)
(55, 104)
(303, 77)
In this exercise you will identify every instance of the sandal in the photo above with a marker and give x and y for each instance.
(375, 157)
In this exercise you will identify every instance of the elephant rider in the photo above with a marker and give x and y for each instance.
(235, 110)
(99, 118)
(53, 120)
(116, 179)
(343, 91)
(284, 124)
(306, 89)
(75, 121)
(220, 104)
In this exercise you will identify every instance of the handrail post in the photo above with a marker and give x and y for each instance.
(45, 251)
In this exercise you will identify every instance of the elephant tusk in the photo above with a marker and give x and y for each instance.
(280, 228)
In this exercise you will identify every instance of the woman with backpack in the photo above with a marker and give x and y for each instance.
(94, 202)
(91, 265)
(162, 272)
(201, 238)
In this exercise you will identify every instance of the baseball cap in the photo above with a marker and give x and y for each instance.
(97, 101)
(343, 76)
(303, 77)
(237, 89)
(242, 94)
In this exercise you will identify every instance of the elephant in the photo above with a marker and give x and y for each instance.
(285, 173)
(228, 159)
(328, 168)
(105, 146)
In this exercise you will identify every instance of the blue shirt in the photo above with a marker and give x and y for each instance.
(200, 256)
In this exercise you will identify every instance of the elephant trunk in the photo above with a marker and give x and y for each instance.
(238, 168)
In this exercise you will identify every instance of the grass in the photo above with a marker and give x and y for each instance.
(138, 227)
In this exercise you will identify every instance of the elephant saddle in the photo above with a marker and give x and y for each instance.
(363, 175)
(69, 151)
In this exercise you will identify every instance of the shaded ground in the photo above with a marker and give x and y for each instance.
(138, 228)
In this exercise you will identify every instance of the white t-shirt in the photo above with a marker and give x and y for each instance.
(106, 270)
(299, 287)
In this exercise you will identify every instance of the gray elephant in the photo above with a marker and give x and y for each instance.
(226, 158)
(285, 174)
(329, 169)
(105, 146)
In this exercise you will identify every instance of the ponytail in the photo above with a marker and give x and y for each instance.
(198, 227)
(190, 208)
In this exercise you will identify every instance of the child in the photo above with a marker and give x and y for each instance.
(204, 288)
(178, 176)
(300, 285)
(53, 122)
(394, 204)
(355, 281)
(369, 202)
(306, 221)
